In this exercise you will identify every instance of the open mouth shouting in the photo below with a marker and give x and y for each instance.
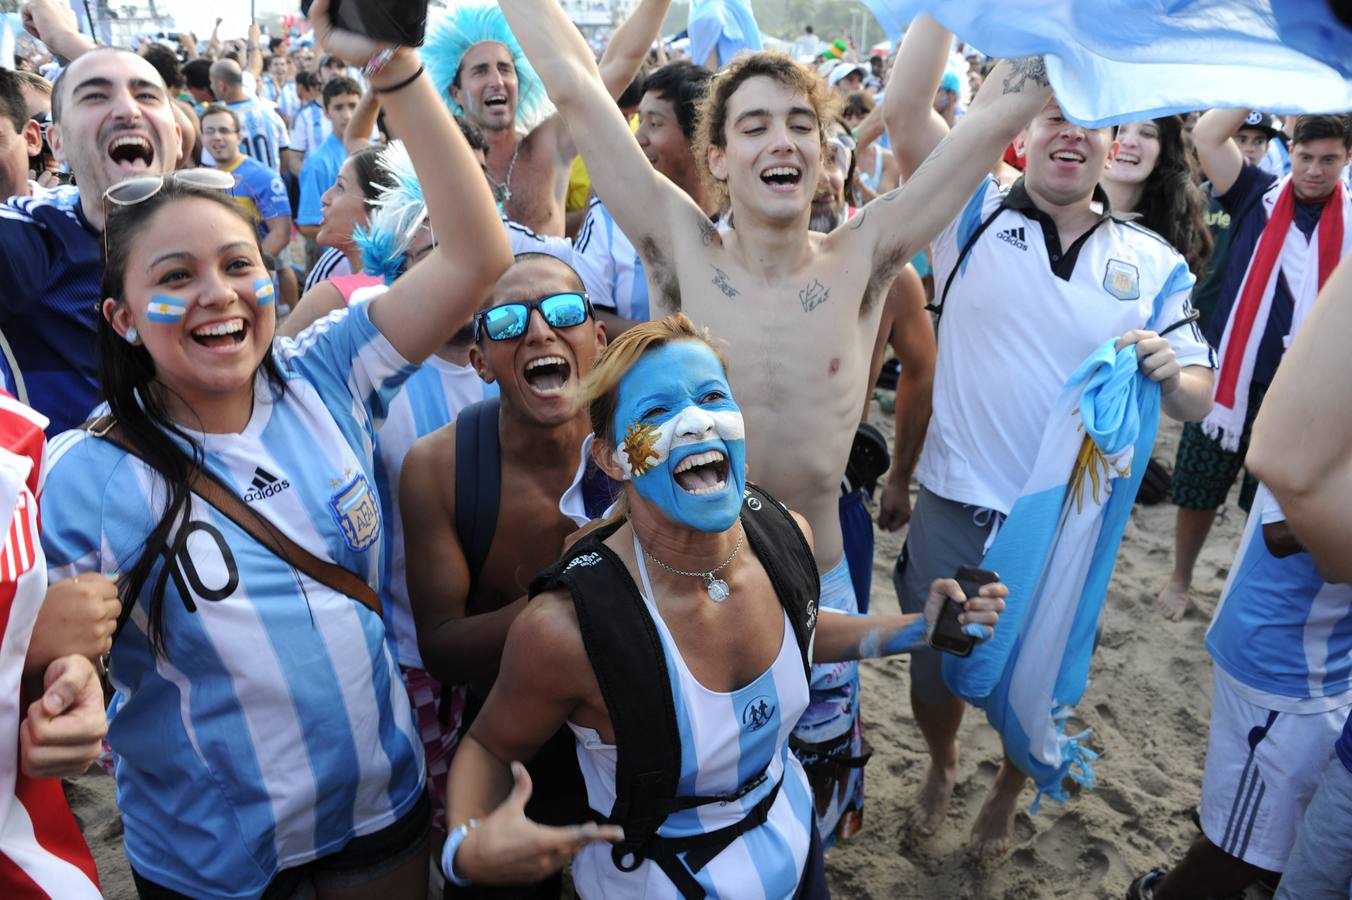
(703, 473)
(132, 152)
(223, 335)
(547, 376)
(782, 178)
(496, 101)
(1069, 157)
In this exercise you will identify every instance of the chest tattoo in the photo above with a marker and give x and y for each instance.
(814, 295)
(707, 231)
(721, 281)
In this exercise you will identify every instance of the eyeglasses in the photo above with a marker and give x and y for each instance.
(503, 323)
(212, 132)
(143, 187)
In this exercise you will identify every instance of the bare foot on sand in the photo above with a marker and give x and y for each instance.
(1172, 602)
(994, 825)
(931, 804)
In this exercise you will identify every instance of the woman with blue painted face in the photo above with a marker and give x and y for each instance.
(675, 641)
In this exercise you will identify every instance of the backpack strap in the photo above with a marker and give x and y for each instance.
(227, 503)
(788, 561)
(938, 308)
(478, 481)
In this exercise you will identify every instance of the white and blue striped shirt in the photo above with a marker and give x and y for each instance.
(1281, 632)
(262, 133)
(727, 739)
(610, 266)
(309, 128)
(286, 99)
(276, 728)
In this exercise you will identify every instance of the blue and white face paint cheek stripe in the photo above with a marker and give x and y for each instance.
(166, 310)
(681, 438)
(264, 292)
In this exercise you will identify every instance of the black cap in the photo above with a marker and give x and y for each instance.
(1260, 121)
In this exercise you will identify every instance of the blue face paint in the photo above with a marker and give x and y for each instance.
(166, 310)
(264, 292)
(675, 407)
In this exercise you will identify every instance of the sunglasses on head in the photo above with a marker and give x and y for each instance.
(503, 323)
(143, 187)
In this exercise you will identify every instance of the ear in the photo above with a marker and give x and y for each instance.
(603, 455)
(32, 138)
(479, 361)
(1113, 149)
(718, 163)
(1021, 142)
(602, 339)
(57, 145)
(455, 95)
(118, 315)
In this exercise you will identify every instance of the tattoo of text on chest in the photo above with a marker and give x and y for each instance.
(721, 280)
(814, 295)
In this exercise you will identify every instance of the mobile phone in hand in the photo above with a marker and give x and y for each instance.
(948, 635)
(402, 22)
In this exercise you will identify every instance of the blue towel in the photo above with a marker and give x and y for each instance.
(726, 25)
(1116, 61)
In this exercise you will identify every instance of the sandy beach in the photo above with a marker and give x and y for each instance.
(1148, 704)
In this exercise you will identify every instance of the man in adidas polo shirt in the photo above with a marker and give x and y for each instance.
(112, 119)
(1054, 275)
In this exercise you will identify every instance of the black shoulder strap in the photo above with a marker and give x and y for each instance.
(788, 561)
(478, 477)
(938, 308)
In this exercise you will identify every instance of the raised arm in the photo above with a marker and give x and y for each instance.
(54, 24)
(433, 299)
(898, 224)
(253, 61)
(1302, 440)
(1220, 157)
(908, 106)
(363, 122)
(642, 201)
(629, 45)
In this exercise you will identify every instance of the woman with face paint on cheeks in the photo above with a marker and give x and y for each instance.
(709, 559)
(263, 741)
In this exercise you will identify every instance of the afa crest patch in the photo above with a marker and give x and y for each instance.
(1122, 280)
(357, 513)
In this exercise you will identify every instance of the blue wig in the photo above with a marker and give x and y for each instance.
(399, 211)
(449, 37)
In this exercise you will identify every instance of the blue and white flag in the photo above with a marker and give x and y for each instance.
(1056, 553)
(727, 26)
(1122, 60)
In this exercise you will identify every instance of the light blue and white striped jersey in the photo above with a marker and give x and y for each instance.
(526, 241)
(610, 266)
(277, 727)
(1280, 631)
(309, 128)
(431, 398)
(286, 99)
(262, 133)
(727, 739)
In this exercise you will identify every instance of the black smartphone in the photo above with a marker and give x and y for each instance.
(948, 635)
(402, 22)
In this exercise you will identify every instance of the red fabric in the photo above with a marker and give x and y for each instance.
(348, 285)
(1265, 258)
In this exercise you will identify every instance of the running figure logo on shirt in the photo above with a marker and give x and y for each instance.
(758, 713)
(355, 509)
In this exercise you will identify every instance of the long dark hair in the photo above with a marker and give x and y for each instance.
(136, 401)
(1172, 203)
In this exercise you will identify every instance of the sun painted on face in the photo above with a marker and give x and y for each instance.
(640, 446)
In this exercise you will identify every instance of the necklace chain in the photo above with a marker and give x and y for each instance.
(503, 189)
(707, 576)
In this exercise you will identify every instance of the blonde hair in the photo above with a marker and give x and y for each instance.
(601, 387)
(712, 121)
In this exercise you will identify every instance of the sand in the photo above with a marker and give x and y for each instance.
(1148, 704)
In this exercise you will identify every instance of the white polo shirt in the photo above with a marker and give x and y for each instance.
(1022, 313)
(610, 266)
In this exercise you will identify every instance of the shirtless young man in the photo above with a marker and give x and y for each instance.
(799, 311)
(470, 53)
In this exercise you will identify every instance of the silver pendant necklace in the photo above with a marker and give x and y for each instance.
(502, 190)
(717, 588)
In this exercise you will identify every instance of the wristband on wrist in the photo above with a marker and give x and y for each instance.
(453, 842)
(377, 62)
(401, 85)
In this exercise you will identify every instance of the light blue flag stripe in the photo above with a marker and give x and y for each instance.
(1117, 61)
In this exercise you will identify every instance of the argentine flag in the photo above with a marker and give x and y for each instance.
(1114, 61)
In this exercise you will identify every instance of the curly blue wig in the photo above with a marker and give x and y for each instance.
(399, 210)
(449, 37)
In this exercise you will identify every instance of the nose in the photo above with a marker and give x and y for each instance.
(693, 422)
(217, 290)
(125, 107)
(538, 330)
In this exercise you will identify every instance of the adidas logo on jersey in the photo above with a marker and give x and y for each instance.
(1013, 237)
(264, 485)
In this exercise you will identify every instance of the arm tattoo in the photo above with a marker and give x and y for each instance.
(858, 220)
(707, 231)
(814, 295)
(721, 281)
(1021, 71)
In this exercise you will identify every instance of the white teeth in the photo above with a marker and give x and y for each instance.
(546, 361)
(220, 328)
(1066, 155)
(711, 489)
(699, 459)
(781, 170)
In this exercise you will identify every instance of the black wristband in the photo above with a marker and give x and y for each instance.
(401, 85)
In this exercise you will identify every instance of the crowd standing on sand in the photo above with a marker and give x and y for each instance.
(431, 470)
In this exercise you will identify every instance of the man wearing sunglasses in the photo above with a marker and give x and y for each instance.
(536, 339)
(112, 120)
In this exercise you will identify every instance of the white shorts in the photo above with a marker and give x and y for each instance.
(1262, 766)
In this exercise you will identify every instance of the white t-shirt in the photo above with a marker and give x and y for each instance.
(1013, 330)
(610, 266)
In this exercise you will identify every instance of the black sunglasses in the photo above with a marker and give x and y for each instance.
(503, 323)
